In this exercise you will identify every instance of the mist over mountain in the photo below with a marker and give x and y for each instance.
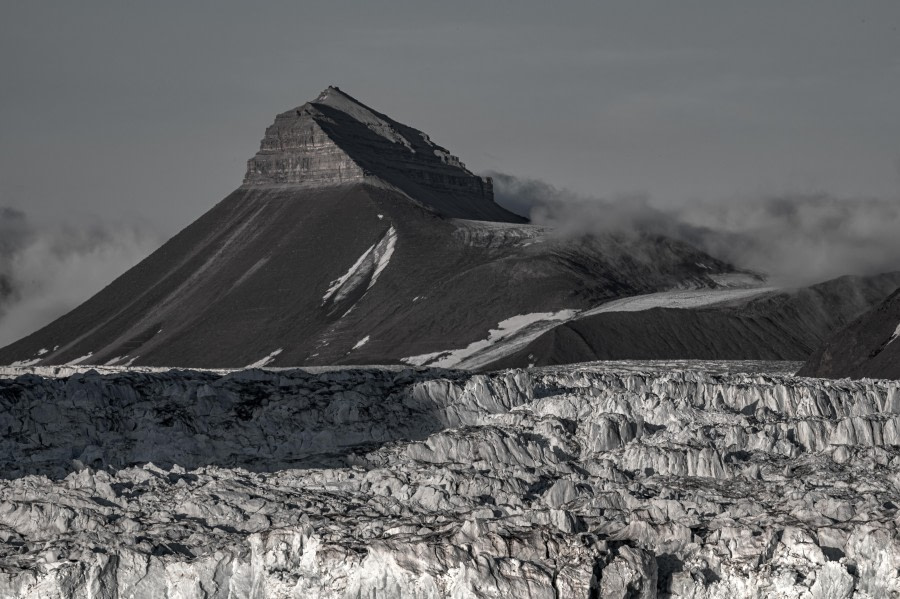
(798, 239)
(795, 239)
(45, 271)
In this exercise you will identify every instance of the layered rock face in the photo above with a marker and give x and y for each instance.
(337, 139)
(296, 150)
(625, 480)
(867, 348)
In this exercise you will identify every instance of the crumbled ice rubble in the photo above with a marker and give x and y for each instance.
(369, 267)
(265, 361)
(588, 481)
(510, 335)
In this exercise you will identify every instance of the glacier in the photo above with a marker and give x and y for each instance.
(624, 479)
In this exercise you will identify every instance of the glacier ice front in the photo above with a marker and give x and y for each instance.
(599, 480)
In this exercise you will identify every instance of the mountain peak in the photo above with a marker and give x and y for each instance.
(332, 92)
(336, 139)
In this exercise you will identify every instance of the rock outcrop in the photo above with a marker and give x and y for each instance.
(867, 348)
(625, 480)
(337, 139)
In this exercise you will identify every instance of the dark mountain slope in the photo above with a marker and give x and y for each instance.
(783, 325)
(867, 348)
(250, 278)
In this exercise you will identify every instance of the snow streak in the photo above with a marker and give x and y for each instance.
(509, 335)
(265, 361)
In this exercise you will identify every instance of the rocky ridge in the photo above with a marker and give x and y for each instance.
(336, 139)
(619, 480)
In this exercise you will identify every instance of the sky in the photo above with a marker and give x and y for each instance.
(148, 111)
(139, 117)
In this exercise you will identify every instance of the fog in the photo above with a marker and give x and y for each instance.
(45, 271)
(794, 239)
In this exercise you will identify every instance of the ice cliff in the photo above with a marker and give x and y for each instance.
(582, 481)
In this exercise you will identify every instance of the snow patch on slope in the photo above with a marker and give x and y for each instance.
(515, 333)
(349, 276)
(265, 361)
(383, 252)
(684, 300)
(24, 363)
(510, 335)
(80, 360)
(361, 342)
(368, 266)
(895, 335)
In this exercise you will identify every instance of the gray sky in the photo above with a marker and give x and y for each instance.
(147, 112)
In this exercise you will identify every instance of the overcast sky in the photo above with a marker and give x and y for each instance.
(147, 112)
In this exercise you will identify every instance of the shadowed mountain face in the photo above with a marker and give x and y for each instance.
(786, 324)
(354, 239)
(868, 348)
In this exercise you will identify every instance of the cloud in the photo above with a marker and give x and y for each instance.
(45, 272)
(794, 239)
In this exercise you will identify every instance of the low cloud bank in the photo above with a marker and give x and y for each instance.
(45, 272)
(794, 239)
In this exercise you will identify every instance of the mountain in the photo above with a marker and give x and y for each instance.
(868, 348)
(355, 239)
(756, 324)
